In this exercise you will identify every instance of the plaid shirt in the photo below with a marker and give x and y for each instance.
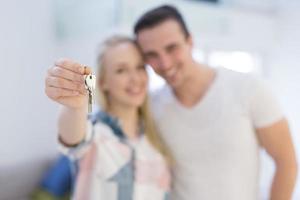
(110, 168)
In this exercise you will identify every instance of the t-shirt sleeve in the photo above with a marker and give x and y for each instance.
(76, 152)
(264, 107)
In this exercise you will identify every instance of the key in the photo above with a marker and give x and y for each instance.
(90, 85)
(90, 103)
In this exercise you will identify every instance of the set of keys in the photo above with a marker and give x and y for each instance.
(90, 85)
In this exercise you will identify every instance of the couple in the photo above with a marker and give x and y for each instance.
(203, 140)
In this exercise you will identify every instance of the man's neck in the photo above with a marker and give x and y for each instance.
(195, 86)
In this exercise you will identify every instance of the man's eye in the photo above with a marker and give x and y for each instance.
(172, 48)
(120, 70)
(150, 56)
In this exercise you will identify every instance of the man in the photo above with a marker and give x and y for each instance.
(214, 121)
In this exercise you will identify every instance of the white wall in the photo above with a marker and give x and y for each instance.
(27, 118)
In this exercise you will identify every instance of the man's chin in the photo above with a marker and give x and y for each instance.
(173, 80)
(174, 84)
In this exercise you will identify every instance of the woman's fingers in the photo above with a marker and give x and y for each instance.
(65, 74)
(52, 81)
(55, 93)
(73, 66)
(66, 79)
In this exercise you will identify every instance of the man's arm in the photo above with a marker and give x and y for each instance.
(276, 139)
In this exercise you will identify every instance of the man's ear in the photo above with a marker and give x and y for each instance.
(190, 41)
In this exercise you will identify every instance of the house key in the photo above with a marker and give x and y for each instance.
(90, 85)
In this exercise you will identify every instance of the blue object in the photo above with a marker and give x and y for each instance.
(58, 180)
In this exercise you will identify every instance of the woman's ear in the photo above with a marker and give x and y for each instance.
(102, 84)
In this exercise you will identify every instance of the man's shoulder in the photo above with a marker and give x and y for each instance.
(160, 100)
(161, 94)
(238, 80)
(231, 75)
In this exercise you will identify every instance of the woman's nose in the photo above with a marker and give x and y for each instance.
(135, 76)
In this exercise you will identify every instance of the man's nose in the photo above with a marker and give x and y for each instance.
(165, 62)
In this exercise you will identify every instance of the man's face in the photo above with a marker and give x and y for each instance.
(168, 51)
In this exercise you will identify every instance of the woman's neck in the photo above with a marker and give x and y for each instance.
(129, 120)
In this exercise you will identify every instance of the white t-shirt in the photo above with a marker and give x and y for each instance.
(214, 143)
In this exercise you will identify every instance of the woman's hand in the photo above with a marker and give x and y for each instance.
(64, 83)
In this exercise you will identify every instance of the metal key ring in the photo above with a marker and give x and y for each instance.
(85, 67)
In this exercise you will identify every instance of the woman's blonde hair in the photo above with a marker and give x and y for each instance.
(145, 115)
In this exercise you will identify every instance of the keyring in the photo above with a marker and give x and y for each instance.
(84, 72)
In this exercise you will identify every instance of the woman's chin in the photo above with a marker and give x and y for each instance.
(136, 102)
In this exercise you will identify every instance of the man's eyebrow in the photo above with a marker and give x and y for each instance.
(151, 53)
(171, 46)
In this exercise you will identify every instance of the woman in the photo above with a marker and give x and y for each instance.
(119, 151)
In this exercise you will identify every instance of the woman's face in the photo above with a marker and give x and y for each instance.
(125, 78)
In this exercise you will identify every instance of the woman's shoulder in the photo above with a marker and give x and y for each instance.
(147, 151)
(105, 125)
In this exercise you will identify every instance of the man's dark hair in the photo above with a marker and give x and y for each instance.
(158, 15)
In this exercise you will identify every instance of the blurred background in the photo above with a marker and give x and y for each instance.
(257, 36)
